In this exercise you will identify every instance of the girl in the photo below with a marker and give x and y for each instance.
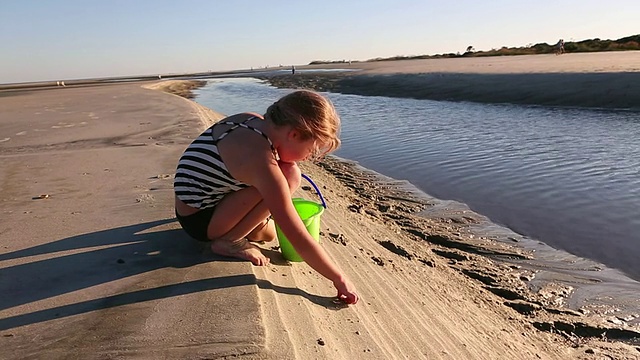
(243, 169)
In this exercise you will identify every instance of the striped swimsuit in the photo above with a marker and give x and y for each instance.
(202, 179)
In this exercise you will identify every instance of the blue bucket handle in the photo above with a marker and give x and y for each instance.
(324, 204)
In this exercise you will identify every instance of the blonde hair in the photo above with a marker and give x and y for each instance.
(310, 113)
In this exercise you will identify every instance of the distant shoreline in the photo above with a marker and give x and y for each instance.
(603, 80)
(628, 43)
(598, 80)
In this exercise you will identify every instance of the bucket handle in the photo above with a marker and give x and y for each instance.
(324, 204)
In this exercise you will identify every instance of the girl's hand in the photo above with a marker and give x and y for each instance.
(346, 291)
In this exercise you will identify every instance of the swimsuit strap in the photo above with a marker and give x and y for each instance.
(243, 125)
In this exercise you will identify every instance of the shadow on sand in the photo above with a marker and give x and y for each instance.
(101, 257)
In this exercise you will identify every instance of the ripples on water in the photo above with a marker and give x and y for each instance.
(568, 177)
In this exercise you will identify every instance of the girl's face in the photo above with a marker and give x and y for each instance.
(296, 149)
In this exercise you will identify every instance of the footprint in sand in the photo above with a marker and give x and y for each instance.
(5, 139)
(145, 198)
(163, 176)
(21, 133)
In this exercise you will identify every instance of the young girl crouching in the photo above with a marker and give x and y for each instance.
(243, 169)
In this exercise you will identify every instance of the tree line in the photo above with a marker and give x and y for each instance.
(589, 45)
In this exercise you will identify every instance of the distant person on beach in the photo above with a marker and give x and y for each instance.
(293, 70)
(560, 47)
(242, 170)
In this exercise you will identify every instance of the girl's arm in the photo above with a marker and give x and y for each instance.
(255, 165)
(274, 189)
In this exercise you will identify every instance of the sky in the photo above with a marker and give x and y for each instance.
(76, 39)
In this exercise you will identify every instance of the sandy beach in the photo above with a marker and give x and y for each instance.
(93, 264)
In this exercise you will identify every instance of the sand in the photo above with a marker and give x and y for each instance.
(99, 268)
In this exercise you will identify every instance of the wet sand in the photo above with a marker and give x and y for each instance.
(99, 267)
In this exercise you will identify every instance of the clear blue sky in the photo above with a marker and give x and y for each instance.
(70, 39)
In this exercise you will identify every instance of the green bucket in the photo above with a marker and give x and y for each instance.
(310, 212)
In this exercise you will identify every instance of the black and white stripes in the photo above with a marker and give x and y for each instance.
(202, 179)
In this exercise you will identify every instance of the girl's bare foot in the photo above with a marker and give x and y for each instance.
(264, 232)
(240, 249)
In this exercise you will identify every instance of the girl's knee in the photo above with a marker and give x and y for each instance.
(292, 172)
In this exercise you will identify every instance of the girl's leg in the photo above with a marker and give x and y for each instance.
(264, 232)
(238, 214)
